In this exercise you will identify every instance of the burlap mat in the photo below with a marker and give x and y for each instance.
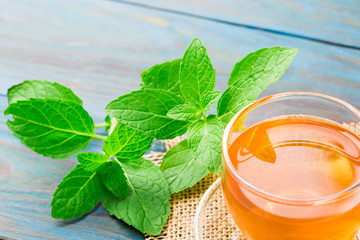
(184, 204)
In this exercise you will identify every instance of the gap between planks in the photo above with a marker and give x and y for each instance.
(252, 27)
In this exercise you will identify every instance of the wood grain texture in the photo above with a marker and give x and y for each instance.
(99, 48)
(330, 20)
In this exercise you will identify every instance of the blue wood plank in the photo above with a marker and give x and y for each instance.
(333, 21)
(99, 49)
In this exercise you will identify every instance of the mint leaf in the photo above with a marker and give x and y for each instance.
(108, 123)
(90, 161)
(146, 206)
(246, 89)
(184, 112)
(51, 127)
(163, 76)
(197, 76)
(77, 194)
(276, 59)
(204, 139)
(146, 111)
(242, 93)
(181, 169)
(110, 171)
(210, 99)
(41, 89)
(126, 143)
(114, 179)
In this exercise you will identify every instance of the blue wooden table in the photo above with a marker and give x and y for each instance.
(100, 47)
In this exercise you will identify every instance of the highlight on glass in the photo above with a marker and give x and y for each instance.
(291, 168)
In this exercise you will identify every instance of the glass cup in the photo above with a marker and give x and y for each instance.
(262, 215)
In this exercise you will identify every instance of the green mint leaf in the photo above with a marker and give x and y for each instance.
(197, 76)
(113, 177)
(108, 122)
(51, 127)
(41, 89)
(146, 206)
(126, 143)
(246, 89)
(210, 99)
(184, 112)
(181, 169)
(77, 194)
(90, 161)
(242, 93)
(146, 111)
(110, 171)
(204, 139)
(163, 76)
(276, 59)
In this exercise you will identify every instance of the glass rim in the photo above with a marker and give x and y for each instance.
(273, 197)
(203, 202)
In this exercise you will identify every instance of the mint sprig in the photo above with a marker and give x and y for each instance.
(134, 187)
(174, 99)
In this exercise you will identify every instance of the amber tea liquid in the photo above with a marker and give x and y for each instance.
(297, 158)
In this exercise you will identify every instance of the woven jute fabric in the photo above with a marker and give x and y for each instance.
(184, 204)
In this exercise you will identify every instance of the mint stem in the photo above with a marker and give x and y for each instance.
(100, 125)
(98, 137)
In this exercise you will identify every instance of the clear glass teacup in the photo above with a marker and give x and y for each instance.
(291, 168)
